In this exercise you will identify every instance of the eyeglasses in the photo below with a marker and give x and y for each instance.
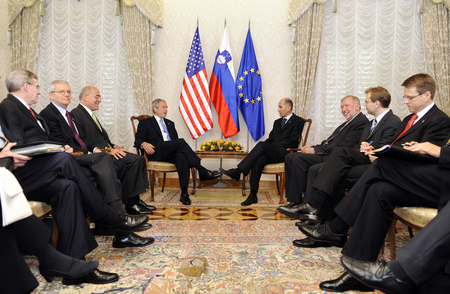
(411, 98)
(62, 92)
(6, 141)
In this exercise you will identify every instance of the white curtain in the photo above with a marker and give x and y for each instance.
(365, 43)
(82, 42)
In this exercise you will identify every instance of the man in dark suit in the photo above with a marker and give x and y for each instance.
(327, 189)
(422, 264)
(298, 164)
(57, 179)
(158, 137)
(285, 134)
(388, 183)
(131, 169)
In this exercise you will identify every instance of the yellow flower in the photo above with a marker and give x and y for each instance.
(213, 141)
(220, 148)
(221, 141)
(237, 148)
(208, 143)
(233, 143)
(212, 147)
(203, 147)
(230, 148)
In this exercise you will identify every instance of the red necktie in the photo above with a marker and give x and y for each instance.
(408, 126)
(32, 113)
(72, 127)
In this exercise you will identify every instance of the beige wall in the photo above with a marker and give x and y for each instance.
(5, 52)
(271, 39)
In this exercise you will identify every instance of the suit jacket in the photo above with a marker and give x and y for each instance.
(88, 128)
(433, 127)
(289, 135)
(20, 122)
(348, 137)
(60, 130)
(149, 131)
(383, 133)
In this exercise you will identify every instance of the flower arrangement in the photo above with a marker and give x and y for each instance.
(220, 145)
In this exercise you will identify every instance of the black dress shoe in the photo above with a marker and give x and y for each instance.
(344, 283)
(290, 210)
(233, 173)
(210, 175)
(252, 198)
(149, 207)
(310, 243)
(185, 199)
(127, 222)
(95, 277)
(130, 239)
(377, 275)
(138, 208)
(308, 210)
(323, 233)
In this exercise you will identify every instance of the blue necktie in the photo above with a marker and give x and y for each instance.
(374, 124)
(283, 122)
(165, 129)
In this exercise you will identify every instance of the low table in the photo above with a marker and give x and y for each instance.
(220, 155)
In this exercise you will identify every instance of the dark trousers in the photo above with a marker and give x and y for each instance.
(103, 169)
(58, 179)
(296, 169)
(369, 205)
(133, 178)
(181, 154)
(30, 236)
(262, 154)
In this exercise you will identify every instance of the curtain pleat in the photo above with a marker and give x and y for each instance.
(139, 32)
(24, 37)
(306, 31)
(436, 26)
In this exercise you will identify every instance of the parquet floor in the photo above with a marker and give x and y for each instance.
(211, 213)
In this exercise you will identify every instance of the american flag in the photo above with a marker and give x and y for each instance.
(195, 104)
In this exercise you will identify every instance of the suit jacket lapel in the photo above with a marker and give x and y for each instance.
(380, 124)
(287, 123)
(91, 120)
(22, 108)
(62, 120)
(419, 122)
(156, 126)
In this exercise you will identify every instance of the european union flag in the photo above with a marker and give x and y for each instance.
(249, 90)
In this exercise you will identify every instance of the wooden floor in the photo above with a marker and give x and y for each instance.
(211, 213)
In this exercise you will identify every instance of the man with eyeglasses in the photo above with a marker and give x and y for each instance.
(387, 183)
(131, 168)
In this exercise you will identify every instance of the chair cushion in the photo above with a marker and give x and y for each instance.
(39, 209)
(274, 168)
(419, 216)
(161, 166)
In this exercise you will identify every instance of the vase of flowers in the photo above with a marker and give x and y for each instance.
(220, 145)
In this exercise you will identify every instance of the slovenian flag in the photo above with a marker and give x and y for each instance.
(222, 89)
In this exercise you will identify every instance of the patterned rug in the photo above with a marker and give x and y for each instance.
(212, 197)
(212, 257)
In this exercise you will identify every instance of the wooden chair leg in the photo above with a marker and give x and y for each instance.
(164, 182)
(282, 183)
(278, 184)
(391, 238)
(152, 185)
(55, 234)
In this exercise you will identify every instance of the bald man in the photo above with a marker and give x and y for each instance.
(285, 134)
